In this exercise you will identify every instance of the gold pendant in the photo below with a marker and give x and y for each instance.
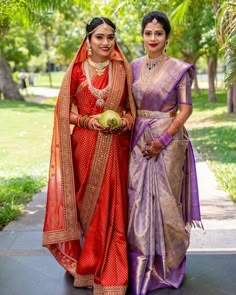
(100, 102)
(100, 71)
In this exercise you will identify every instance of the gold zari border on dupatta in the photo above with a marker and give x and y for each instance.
(102, 151)
(71, 228)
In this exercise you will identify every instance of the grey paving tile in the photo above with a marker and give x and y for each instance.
(42, 275)
(6, 239)
(27, 240)
(20, 240)
(35, 276)
(213, 239)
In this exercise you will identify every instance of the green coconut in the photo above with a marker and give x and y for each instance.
(110, 119)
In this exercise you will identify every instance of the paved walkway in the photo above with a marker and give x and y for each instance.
(26, 268)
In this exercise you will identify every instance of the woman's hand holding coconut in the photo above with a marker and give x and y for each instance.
(109, 122)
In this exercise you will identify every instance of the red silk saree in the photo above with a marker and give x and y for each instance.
(86, 212)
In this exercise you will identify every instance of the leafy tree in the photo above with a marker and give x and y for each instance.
(226, 32)
(189, 31)
(24, 13)
(20, 46)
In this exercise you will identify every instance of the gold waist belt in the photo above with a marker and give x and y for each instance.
(151, 114)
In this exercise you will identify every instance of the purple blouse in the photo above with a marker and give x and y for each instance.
(170, 86)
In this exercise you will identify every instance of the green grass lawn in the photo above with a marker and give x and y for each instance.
(42, 79)
(25, 139)
(26, 130)
(213, 133)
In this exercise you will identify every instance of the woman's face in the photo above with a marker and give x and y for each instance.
(102, 43)
(154, 38)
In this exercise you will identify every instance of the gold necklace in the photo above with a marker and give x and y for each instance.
(147, 74)
(100, 66)
(151, 63)
(100, 94)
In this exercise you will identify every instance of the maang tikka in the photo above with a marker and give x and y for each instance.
(154, 21)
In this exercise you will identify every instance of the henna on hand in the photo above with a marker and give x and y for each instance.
(152, 149)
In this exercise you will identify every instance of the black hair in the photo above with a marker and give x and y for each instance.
(97, 21)
(160, 17)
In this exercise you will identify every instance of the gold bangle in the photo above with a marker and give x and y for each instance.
(78, 120)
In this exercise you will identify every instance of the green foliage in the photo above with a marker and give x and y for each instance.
(226, 33)
(209, 44)
(213, 131)
(28, 13)
(68, 33)
(180, 12)
(19, 46)
(230, 67)
(14, 194)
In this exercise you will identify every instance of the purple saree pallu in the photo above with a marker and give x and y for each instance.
(163, 192)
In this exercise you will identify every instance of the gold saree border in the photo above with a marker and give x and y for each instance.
(83, 280)
(88, 281)
(109, 290)
(71, 228)
(102, 151)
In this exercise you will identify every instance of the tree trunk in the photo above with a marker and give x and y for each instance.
(49, 73)
(231, 99)
(195, 84)
(212, 65)
(8, 87)
(46, 46)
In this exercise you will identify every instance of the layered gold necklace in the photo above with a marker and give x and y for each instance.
(100, 94)
(99, 66)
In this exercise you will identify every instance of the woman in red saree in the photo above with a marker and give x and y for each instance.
(86, 211)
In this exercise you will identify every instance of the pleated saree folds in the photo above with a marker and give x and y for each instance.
(163, 193)
(86, 213)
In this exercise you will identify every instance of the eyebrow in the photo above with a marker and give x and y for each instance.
(160, 30)
(102, 34)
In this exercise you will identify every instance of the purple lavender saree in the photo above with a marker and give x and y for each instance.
(163, 192)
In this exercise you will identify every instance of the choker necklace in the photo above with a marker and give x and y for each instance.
(100, 94)
(100, 66)
(151, 63)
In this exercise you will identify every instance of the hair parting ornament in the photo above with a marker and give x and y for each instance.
(154, 21)
(104, 24)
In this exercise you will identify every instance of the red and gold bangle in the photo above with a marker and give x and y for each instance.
(89, 125)
(82, 120)
(78, 120)
(86, 122)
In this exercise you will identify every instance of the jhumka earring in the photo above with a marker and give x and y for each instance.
(145, 49)
(165, 46)
(89, 49)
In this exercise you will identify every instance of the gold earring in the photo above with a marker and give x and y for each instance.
(88, 48)
(165, 46)
(145, 49)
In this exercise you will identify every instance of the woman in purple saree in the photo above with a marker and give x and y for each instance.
(163, 191)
